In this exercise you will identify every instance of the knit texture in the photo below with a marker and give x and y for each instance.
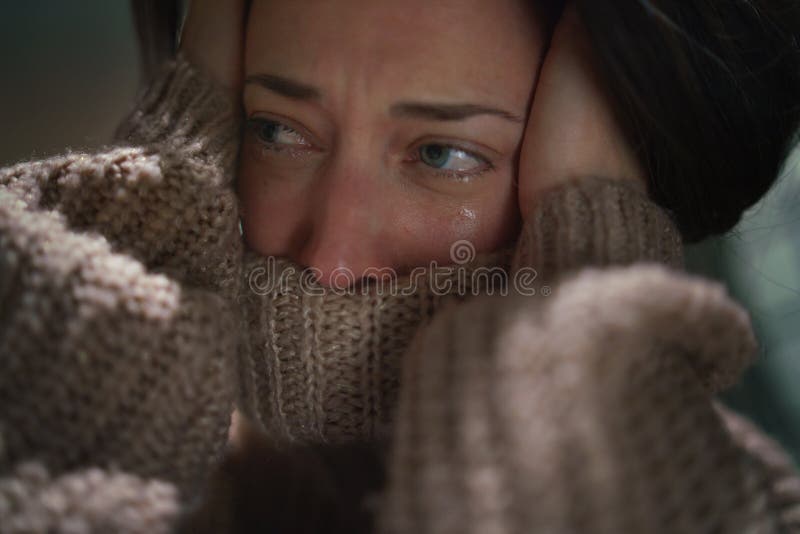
(602, 222)
(86, 501)
(321, 366)
(588, 408)
(125, 306)
(117, 331)
(782, 482)
(506, 424)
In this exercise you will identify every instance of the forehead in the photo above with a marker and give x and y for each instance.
(431, 46)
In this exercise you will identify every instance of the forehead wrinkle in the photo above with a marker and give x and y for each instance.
(380, 51)
(447, 64)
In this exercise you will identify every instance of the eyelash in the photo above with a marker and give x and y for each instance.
(450, 174)
(254, 124)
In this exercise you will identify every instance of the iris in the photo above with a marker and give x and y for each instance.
(435, 155)
(449, 157)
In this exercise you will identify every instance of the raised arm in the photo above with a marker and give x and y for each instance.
(116, 334)
(588, 410)
(590, 406)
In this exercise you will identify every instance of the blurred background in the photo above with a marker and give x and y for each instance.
(71, 72)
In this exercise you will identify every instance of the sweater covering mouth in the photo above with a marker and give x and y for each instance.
(321, 364)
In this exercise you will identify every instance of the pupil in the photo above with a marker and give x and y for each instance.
(435, 155)
(268, 131)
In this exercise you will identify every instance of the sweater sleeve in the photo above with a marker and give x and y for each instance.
(85, 501)
(117, 336)
(163, 195)
(586, 409)
(594, 221)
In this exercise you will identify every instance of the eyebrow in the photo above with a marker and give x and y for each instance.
(448, 112)
(422, 110)
(285, 86)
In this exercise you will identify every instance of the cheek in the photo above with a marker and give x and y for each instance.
(488, 219)
(271, 209)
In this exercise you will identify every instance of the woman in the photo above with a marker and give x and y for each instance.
(377, 140)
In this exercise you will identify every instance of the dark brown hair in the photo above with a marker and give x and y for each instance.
(157, 24)
(708, 92)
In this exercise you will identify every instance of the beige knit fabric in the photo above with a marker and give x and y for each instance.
(87, 501)
(587, 407)
(583, 412)
(321, 366)
(590, 410)
(767, 454)
(602, 222)
(117, 336)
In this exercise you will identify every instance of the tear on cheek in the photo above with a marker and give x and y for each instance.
(465, 224)
(467, 213)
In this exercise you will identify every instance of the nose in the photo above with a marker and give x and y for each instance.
(342, 240)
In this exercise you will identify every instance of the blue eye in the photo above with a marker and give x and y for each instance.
(272, 132)
(449, 158)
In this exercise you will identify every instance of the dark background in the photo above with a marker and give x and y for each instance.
(70, 71)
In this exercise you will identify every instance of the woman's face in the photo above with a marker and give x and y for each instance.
(380, 132)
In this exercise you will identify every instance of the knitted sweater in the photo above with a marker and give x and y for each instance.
(130, 325)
